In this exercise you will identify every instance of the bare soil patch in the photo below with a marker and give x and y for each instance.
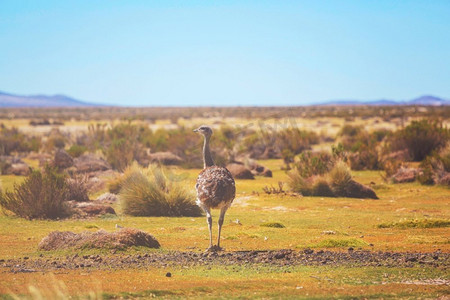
(278, 258)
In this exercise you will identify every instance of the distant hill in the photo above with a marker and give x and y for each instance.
(426, 100)
(10, 100)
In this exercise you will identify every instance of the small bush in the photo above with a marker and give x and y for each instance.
(339, 178)
(313, 163)
(436, 167)
(322, 188)
(77, 150)
(299, 184)
(417, 223)
(421, 138)
(77, 189)
(41, 196)
(149, 192)
(12, 140)
(273, 225)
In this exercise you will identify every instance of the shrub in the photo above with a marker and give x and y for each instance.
(299, 184)
(436, 168)
(339, 178)
(149, 192)
(12, 140)
(321, 187)
(41, 196)
(420, 138)
(77, 150)
(77, 189)
(363, 147)
(313, 163)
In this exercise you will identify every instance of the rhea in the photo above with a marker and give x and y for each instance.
(215, 187)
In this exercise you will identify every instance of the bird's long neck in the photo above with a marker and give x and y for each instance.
(207, 158)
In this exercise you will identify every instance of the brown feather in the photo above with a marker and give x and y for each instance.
(215, 187)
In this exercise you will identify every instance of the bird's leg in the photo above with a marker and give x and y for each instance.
(221, 218)
(209, 220)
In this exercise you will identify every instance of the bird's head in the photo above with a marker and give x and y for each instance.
(205, 130)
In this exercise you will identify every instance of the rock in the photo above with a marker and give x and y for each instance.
(62, 159)
(107, 198)
(402, 155)
(240, 171)
(90, 209)
(12, 165)
(89, 163)
(405, 175)
(122, 239)
(356, 190)
(20, 169)
(257, 169)
(445, 179)
(165, 158)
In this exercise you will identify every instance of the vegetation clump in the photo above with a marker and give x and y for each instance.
(337, 182)
(273, 225)
(421, 138)
(42, 195)
(340, 243)
(417, 223)
(150, 192)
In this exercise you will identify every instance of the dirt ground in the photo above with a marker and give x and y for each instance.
(277, 258)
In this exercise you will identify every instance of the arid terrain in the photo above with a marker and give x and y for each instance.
(331, 202)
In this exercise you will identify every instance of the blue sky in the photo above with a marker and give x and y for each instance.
(149, 53)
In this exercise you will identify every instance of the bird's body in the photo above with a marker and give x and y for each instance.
(215, 187)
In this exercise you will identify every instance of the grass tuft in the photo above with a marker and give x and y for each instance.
(340, 243)
(150, 192)
(417, 223)
(273, 225)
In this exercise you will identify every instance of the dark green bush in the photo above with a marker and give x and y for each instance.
(313, 163)
(77, 150)
(41, 196)
(435, 168)
(421, 138)
(363, 147)
(12, 140)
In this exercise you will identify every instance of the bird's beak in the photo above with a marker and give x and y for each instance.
(195, 130)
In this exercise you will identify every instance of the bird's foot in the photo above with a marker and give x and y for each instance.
(214, 248)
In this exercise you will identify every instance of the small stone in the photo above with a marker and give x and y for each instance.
(168, 274)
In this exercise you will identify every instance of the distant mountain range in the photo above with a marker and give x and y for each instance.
(10, 100)
(426, 100)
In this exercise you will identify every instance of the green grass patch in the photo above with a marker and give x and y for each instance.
(273, 225)
(417, 223)
(340, 243)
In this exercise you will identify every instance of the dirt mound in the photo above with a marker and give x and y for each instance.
(356, 190)
(165, 158)
(239, 171)
(126, 237)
